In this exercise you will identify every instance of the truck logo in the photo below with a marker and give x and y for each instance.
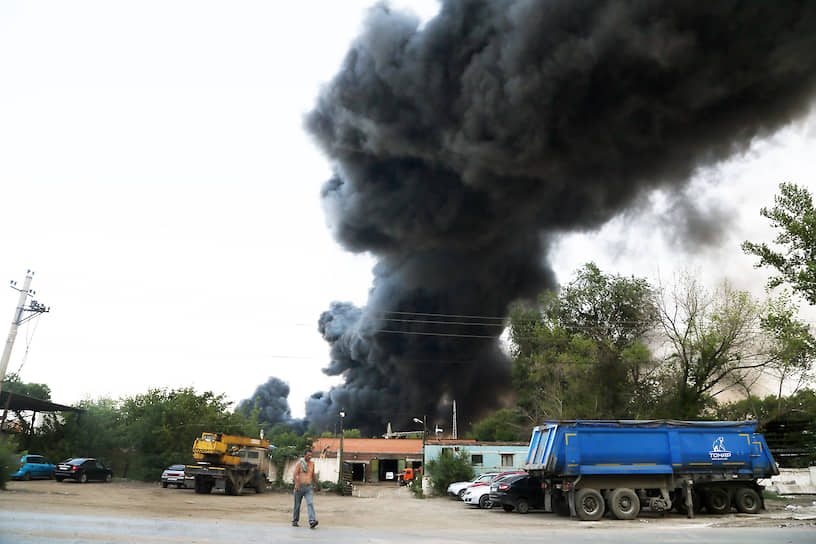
(718, 451)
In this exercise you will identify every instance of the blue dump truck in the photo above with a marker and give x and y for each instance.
(587, 467)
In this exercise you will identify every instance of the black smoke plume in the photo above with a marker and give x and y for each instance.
(271, 401)
(461, 148)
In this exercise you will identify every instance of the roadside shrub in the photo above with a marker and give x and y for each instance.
(415, 485)
(447, 469)
(8, 459)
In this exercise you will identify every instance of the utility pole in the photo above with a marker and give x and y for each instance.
(340, 482)
(454, 421)
(35, 308)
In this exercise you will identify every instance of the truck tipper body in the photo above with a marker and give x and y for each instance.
(233, 462)
(589, 467)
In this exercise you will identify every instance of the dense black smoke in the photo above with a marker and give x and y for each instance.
(463, 147)
(271, 401)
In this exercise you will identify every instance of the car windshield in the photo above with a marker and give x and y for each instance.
(76, 461)
(484, 478)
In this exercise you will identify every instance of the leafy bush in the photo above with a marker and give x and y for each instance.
(449, 468)
(415, 485)
(8, 460)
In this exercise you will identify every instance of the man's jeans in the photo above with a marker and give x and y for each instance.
(308, 492)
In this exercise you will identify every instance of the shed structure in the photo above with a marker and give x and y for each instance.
(485, 456)
(372, 459)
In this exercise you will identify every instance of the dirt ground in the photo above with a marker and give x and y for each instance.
(371, 506)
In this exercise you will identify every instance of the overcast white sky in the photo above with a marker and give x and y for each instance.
(156, 176)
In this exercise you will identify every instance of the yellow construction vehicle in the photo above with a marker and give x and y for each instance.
(232, 461)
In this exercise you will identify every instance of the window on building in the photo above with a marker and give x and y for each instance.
(477, 459)
(507, 459)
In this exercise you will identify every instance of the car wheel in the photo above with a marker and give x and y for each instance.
(624, 503)
(522, 506)
(83, 479)
(717, 501)
(109, 478)
(484, 502)
(747, 501)
(164, 485)
(507, 507)
(589, 504)
(27, 476)
(462, 494)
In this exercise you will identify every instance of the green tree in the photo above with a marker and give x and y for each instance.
(289, 445)
(449, 468)
(160, 427)
(13, 384)
(502, 426)
(716, 341)
(795, 216)
(582, 353)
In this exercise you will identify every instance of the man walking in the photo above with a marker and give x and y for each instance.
(304, 487)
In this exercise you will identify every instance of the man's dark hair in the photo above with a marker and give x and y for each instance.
(307, 450)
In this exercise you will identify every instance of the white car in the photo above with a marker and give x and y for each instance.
(457, 489)
(478, 495)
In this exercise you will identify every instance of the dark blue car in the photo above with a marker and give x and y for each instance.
(34, 466)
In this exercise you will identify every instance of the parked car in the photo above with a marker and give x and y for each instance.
(33, 466)
(457, 489)
(174, 474)
(478, 495)
(83, 470)
(520, 492)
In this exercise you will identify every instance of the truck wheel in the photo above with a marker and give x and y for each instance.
(260, 483)
(624, 503)
(507, 507)
(589, 504)
(522, 506)
(747, 501)
(717, 501)
(484, 502)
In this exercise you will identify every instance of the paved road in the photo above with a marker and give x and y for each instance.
(36, 528)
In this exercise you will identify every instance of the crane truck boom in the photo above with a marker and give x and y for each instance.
(237, 461)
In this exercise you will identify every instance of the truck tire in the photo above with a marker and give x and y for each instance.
(522, 506)
(260, 483)
(717, 501)
(624, 503)
(589, 504)
(747, 501)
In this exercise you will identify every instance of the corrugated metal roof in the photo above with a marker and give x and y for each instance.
(370, 445)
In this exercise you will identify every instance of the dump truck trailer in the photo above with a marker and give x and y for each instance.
(229, 461)
(588, 467)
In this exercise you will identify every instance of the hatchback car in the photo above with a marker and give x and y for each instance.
(457, 489)
(83, 470)
(520, 492)
(174, 475)
(33, 466)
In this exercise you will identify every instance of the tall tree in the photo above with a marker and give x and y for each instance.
(715, 339)
(794, 215)
(582, 352)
